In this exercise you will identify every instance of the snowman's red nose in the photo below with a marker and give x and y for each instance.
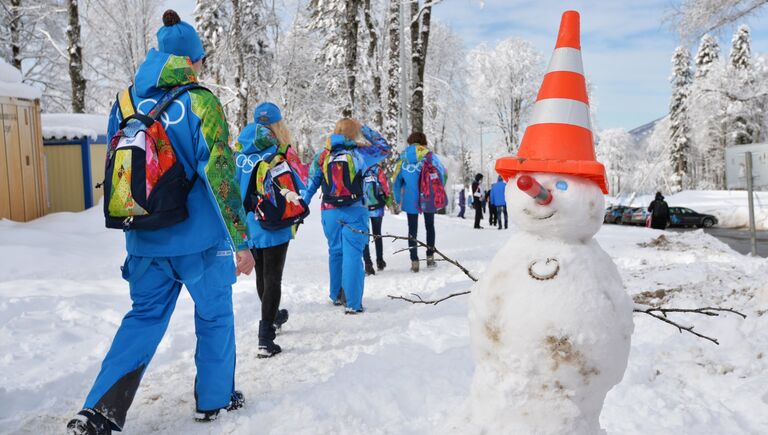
(532, 188)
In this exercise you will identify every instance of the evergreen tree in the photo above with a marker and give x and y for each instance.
(741, 52)
(680, 132)
(708, 54)
(743, 110)
(212, 20)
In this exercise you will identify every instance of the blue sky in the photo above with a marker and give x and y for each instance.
(625, 44)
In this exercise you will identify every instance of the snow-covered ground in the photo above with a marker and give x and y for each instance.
(397, 369)
(729, 206)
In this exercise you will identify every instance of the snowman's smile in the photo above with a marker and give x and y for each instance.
(535, 216)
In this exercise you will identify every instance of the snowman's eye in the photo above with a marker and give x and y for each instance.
(562, 185)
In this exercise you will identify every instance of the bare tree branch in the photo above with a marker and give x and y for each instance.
(419, 243)
(660, 313)
(420, 300)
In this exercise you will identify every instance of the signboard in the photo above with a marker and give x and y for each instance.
(736, 169)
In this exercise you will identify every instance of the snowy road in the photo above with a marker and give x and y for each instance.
(398, 369)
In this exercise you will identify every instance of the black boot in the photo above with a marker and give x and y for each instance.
(281, 318)
(89, 422)
(267, 346)
(381, 264)
(369, 269)
(237, 402)
(341, 300)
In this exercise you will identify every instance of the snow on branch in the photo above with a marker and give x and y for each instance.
(694, 18)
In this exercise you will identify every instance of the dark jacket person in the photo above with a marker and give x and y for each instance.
(659, 212)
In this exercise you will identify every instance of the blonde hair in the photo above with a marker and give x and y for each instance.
(348, 127)
(281, 132)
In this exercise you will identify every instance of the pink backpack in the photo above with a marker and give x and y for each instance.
(432, 195)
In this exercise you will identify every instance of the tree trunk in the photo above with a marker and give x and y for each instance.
(419, 62)
(351, 25)
(378, 115)
(393, 71)
(15, 29)
(240, 85)
(75, 51)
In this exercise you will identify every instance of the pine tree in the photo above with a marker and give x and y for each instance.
(212, 21)
(741, 52)
(679, 121)
(708, 54)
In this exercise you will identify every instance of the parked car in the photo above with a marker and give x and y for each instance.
(685, 217)
(626, 215)
(614, 213)
(639, 216)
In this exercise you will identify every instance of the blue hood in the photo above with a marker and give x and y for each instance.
(339, 141)
(161, 71)
(414, 153)
(256, 138)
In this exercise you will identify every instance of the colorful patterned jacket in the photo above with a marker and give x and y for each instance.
(405, 180)
(364, 157)
(197, 128)
(257, 143)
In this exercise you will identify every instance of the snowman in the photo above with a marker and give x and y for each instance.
(550, 319)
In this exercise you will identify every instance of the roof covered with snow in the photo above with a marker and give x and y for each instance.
(11, 85)
(73, 125)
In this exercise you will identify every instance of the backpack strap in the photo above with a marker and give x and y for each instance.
(169, 98)
(125, 102)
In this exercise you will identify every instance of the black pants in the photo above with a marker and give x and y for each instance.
(492, 215)
(462, 208)
(269, 276)
(375, 229)
(501, 210)
(478, 213)
(413, 232)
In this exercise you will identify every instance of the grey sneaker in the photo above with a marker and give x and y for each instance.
(415, 266)
(431, 263)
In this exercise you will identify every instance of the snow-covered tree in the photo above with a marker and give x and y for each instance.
(707, 56)
(694, 18)
(420, 28)
(212, 22)
(504, 82)
(680, 130)
(615, 150)
(393, 71)
(744, 110)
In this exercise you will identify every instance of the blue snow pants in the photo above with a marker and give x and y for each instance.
(345, 251)
(155, 283)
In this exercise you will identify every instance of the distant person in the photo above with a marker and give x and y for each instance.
(478, 199)
(499, 201)
(491, 208)
(171, 246)
(462, 202)
(377, 197)
(659, 210)
(419, 188)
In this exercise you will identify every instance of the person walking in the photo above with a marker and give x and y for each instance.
(339, 169)
(500, 202)
(418, 172)
(377, 196)
(659, 212)
(478, 199)
(462, 202)
(259, 155)
(268, 114)
(491, 208)
(169, 249)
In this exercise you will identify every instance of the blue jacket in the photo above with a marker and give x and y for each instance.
(198, 131)
(497, 193)
(364, 157)
(405, 184)
(257, 143)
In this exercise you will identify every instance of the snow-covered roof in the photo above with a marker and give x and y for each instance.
(73, 125)
(11, 85)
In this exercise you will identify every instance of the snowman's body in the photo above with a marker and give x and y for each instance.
(550, 319)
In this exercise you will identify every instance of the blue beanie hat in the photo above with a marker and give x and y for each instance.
(267, 113)
(179, 38)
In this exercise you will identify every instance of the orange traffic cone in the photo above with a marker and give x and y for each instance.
(559, 137)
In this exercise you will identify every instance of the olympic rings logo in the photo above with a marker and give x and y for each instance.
(411, 168)
(164, 117)
(247, 163)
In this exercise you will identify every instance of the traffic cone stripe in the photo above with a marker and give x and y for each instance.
(561, 111)
(564, 84)
(566, 59)
(540, 139)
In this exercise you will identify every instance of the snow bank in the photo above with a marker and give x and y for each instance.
(11, 85)
(398, 368)
(729, 206)
(73, 125)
